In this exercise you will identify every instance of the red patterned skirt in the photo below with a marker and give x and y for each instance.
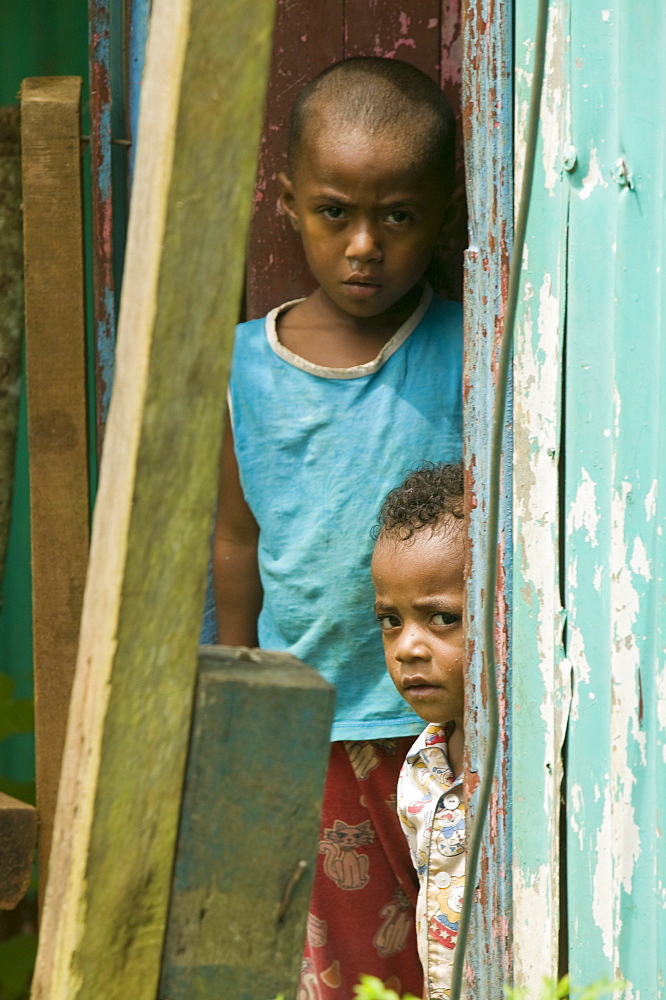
(361, 918)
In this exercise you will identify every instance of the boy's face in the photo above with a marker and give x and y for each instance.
(369, 218)
(419, 604)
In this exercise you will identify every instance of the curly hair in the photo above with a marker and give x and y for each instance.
(428, 496)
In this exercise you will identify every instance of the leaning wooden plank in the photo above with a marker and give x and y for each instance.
(249, 827)
(57, 428)
(18, 835)
(11, 309)
(119, 798)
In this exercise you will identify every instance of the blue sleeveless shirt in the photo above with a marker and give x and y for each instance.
(318, 449)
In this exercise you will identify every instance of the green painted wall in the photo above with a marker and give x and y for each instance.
(37, 38)
(589, 599)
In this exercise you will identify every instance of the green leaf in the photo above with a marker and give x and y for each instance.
(372, 988)
(17, 960)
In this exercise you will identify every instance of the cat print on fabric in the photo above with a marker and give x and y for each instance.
(398, 916)
(342, 864)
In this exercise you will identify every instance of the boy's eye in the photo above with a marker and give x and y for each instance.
(332, 212)
(387, 622)
(397, 216)
(444, 618)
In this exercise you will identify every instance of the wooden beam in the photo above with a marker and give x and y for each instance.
(249, 827)
(11, 309)
(119, 798)
(57, 424)
(18, 834)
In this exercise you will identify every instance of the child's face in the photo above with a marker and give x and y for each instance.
(419, 604)
(369, 221)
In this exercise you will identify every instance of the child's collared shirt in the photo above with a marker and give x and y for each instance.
(432, 814)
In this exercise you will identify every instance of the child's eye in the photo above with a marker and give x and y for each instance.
(387, 622)
(332, 212)
(398, 216)
(444, 618)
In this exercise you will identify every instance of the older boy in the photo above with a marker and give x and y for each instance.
(418, 571)
(332, 397)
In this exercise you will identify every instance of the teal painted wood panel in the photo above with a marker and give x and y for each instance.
(614, 510)
(541, 689)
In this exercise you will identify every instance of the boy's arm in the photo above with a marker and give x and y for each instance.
(238, 592)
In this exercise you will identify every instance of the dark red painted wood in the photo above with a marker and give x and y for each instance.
(308, 37)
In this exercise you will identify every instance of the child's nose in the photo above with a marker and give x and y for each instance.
(364, 244)
(411, 645)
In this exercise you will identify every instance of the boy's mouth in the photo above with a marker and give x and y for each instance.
(362, 286)
(418, 686)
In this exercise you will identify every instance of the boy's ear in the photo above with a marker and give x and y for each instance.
(288, 201)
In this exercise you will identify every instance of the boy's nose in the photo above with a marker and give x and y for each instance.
(364, 245)
(411, 646)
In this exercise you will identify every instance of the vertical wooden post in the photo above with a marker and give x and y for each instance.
(249, 827)
(487, 114)
(119, 797)
(57, 434)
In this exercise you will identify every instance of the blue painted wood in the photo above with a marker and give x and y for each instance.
(137, 36)
(540, 693)
(249, 827)
(616, 382)
(487, 113)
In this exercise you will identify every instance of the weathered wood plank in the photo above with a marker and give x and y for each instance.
(11, 309)
(249, 827)
(541, 690)
(57, 425)
(488, 119)
(18, 836)
(116, 825)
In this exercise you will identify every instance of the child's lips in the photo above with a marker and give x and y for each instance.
(418, 687)
(362, 286)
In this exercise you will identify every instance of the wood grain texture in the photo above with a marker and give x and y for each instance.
(249, 827)
(18, 836)
(57, 423)
(11, 309)
(116, 825)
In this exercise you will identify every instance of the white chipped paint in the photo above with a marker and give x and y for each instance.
(532, 913)
(651, 501)
(625, 664)
(580, 664)
(598, 578)
(593, 178)
(660, 707)
(605, 16)
(640, 564)
(617, 410)
(554, 103)
(576, 808)
(521, 111)
(572, 573)
(603, 905)
(583, 512)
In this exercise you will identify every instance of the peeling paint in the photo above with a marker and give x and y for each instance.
(593, 178)
(583, 512)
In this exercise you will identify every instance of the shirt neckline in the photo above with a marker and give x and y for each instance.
(356, 371)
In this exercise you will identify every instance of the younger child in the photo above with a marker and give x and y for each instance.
(418, 572)
(332, 398)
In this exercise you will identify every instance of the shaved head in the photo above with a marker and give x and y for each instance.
(376, 97)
